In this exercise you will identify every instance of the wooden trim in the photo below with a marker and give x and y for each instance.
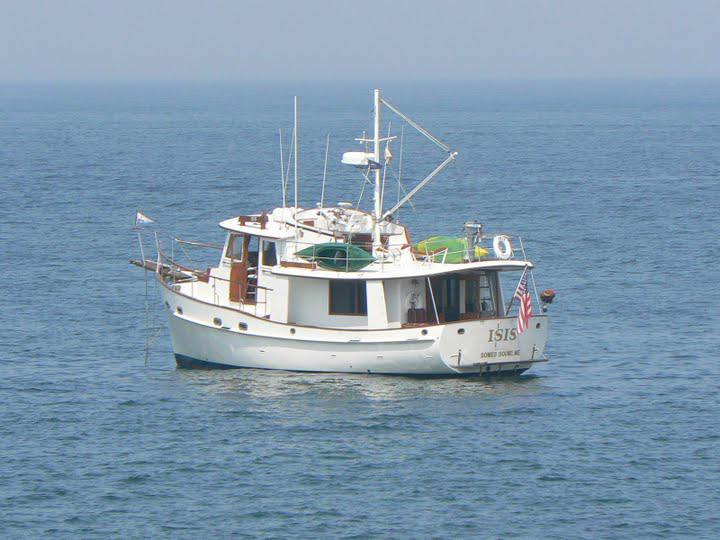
(237, 281)
(262, 219)
(407, 236)
(230, 252)
(292, 264)
(204, 276)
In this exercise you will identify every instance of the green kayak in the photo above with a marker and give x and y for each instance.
(447, 249)
(337, 256)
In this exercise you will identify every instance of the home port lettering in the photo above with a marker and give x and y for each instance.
(499, 354)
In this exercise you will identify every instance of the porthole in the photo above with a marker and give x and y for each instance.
(424, 332)
(292, 330)
(461, 331)
(242, 326)
(179, 310)
(217, 321)
(537, 325)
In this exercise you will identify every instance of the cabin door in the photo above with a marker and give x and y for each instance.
(238, 280)
(240, 263)
(446, 296)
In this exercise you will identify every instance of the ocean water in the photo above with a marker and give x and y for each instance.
(613, 186)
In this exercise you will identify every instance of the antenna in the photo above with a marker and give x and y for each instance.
(377, 194)
(327, 148)
(282, 169)
(296, 152)
(287, 169)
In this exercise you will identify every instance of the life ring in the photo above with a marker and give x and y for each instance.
(502, 248)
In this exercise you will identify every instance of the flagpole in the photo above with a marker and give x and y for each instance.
(142, 255)
(532, 276)
(507, 310)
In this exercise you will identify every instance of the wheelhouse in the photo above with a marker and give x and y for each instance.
(259, 274)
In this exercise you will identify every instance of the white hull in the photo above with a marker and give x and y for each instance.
(334, 288)
(206, 335)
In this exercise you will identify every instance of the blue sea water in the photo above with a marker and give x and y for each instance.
(613, 186)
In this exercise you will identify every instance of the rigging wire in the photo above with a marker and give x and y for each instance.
(401, 187)
(418, 127)
(365, 181)
(287, 173)
(327, 149)
(387, 162)
(400, 165)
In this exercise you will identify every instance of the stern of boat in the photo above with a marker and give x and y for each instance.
(493, 345)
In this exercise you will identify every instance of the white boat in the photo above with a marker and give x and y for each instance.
(338, 289)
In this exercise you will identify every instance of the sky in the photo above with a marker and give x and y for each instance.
(169, 40)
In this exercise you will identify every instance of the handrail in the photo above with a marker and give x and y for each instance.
(428, 257)
(197, 273)
(201, 244)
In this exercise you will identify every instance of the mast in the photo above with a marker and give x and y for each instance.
(363, 159)
(377, 195)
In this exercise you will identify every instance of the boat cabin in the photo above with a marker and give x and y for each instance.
(262, 272)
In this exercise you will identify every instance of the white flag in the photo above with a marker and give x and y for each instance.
(142, 218)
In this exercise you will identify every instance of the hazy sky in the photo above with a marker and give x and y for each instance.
(338, 40)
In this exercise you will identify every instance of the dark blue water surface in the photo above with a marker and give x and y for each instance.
(613, 186)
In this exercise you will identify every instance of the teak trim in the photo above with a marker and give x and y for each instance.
(292, 264)
(262, 219)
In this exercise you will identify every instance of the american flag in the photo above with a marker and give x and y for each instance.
(523, 296)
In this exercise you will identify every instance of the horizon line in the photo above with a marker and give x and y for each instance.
(490, 78)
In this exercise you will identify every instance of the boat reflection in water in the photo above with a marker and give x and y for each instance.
(270, 388)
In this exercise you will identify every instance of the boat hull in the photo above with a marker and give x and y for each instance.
(185, 362)
(207, 336)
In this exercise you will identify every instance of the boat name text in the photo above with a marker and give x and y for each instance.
(502, 334)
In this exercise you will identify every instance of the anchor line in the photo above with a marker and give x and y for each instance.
(152, 331)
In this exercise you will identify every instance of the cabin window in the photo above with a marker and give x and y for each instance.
(347, 297)
(269, 258)
(235, 247)
(479, 297)
(464, 296)
(486, 293)
(253, 252)
(472, 295)
(451, 298)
